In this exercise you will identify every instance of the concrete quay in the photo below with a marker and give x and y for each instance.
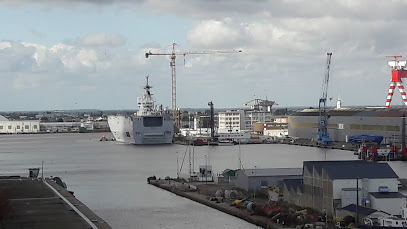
(36, 203)
(200, 197)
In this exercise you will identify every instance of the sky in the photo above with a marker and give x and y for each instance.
(80, 54)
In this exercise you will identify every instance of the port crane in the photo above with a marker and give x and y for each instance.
(323, 136)
(397, 73)
(173, 55)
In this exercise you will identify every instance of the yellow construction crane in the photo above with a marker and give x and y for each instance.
(172, 55)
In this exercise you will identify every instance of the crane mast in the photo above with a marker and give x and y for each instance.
(173, 55)
(323, 136)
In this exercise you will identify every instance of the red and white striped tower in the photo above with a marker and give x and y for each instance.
(397, 72)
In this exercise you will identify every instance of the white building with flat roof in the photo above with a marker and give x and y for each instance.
(231, 121)
(234, 121)
(19, 127)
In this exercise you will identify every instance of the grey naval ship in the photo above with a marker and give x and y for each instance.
(148, 126)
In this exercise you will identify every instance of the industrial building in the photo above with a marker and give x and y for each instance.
(346, 122)
(16, 127)
(277, 129)
(256, 179)
(333, 185)
(37, 126)
(243, 120)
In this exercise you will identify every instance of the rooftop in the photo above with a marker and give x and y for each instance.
(384, 195)
(273, 172)
(352, 169)
(361, 210)
(364, 112)
(2, 118)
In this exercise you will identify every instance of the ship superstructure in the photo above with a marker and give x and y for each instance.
(148, 125)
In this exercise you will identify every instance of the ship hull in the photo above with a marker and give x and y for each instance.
(142, 130)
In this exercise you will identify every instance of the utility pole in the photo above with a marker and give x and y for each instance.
(255, 183)
(177, 167)
(357, 201)
(206, 171)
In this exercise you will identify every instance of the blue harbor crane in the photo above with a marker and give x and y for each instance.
(323, 136)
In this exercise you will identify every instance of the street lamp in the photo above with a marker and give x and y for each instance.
(206, 170)
(255, 183)
(177, 166)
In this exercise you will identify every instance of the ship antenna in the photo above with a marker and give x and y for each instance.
(147, 76)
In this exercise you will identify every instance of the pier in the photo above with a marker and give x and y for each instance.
(42, 203)
(202, 196)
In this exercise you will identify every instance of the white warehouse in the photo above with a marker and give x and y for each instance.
(17, 127)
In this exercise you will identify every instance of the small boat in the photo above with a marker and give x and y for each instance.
(104, 138)
(226, 142)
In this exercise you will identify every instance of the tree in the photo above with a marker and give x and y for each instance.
(44, 119)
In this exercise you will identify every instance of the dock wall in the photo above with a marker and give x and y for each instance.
(223, 207)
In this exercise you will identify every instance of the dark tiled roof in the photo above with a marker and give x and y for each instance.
(352, 169)
(294, 184)
(382, 195)
(361, 210)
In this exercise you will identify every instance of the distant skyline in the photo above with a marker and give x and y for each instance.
(89, 54)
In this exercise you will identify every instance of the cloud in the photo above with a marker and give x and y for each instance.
(16, 57)
(213, 33)
(284, 45)
(101, 40)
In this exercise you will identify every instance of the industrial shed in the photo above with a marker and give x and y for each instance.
(19, 127)
(346, 122)
(293, 190)
(390, 202)
(255, 179)
(332, 185)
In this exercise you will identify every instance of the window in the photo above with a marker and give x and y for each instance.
(127, 134)
(9, 127)
(27, 127)
(35, 127)
(152, 121)
(18, 127)
(1, 127)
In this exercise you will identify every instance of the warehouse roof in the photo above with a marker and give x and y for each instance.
(364, 112)
(273, 172)
(361, 210)
(383, 195)
(352, 169)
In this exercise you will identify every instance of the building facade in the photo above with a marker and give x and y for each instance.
(256, 179)
(231, 121)
(331, 184)
(19, 127)
(346, 122)
(390, 202)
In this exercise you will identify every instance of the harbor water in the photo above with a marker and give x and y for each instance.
(110, 177)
